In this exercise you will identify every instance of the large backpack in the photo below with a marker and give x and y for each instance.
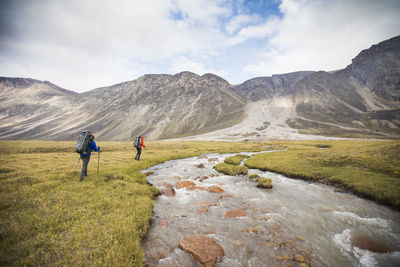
(137, 142)
(83, 142)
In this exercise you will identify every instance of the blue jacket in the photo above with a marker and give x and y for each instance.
(92, 147)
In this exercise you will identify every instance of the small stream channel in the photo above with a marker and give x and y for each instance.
(294, 224)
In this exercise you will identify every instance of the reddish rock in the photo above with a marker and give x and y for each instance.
(203, 204)
(299, 258)
(204, 249)
(168, 190)
(200, 166)
(213, 160)
(202, 210)
(163, 223)
(215, 189)
(235, 213)
(183, 184)
(192, 188)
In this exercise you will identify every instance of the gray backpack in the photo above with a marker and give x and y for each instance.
(137, 142)
(83, 142)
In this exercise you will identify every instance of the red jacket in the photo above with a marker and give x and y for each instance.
(141, 142)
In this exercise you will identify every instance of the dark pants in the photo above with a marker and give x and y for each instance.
(139, 151)
(85, 162)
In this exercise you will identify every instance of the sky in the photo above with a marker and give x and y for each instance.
(85, 44)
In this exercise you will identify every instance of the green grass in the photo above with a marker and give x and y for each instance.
(264, 183)
(367, 168)
(235, 160)
(230, 169)
(254, 176)
(48, 218)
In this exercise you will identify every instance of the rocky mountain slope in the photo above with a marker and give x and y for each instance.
(362, 100)
(364, 96)
(158, 106)
(269, 87)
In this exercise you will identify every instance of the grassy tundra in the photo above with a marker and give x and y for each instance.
(47, 217)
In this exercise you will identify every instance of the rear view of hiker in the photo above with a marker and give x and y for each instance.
(85, 145)
(138, 144)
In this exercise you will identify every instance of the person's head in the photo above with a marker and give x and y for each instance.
(93, 138)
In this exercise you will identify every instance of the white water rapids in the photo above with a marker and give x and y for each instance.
(294, 223)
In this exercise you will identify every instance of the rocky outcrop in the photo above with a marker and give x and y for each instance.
(204, 249)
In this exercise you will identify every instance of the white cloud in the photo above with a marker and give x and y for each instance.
(238, 21)
(326, 35)
(67, 42)
(81, 45)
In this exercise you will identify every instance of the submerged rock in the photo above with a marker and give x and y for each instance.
(370, 244)
(235, 213)
(183, 184)
(168, 191)
(204, 249)
(202, 210)
(215, 189)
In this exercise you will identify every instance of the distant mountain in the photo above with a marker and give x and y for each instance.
(158, 106)
(269, 87)
(362, 100)
(365, 95)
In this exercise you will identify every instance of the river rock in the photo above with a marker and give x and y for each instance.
(192, 188)
(183, 184)
(204, 249)
(168, 190)
(369, 243)
(215, 189)
(235, 213)
(202, 210)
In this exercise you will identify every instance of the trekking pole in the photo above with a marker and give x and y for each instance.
(98, 164)
(76, 166)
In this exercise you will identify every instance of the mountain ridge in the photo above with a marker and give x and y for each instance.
(363, 99)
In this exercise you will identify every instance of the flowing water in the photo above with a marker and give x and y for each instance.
(294, 223)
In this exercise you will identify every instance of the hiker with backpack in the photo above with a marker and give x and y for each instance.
(138, 143)
(85, 145)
